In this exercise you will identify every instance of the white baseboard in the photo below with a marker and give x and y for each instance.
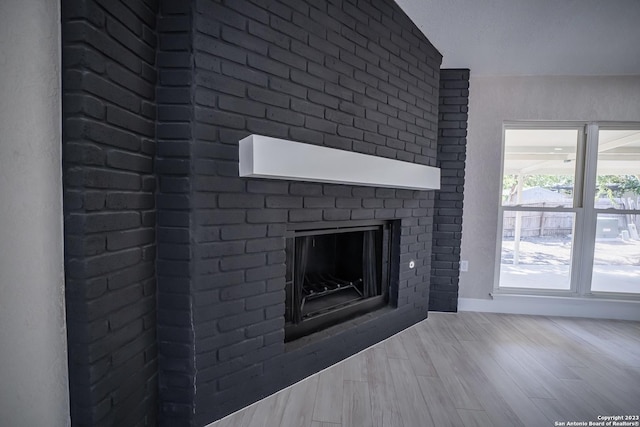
(554, 306)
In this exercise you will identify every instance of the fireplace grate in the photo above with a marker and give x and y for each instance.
(318, 285)
(322, 286)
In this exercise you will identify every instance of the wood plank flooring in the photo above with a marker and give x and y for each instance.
(469, 369)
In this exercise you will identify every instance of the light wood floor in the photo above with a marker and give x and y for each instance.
(469, 369)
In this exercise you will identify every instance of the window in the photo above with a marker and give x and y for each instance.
(570, 209)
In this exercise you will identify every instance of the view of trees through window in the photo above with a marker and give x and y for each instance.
(614, 187)
(548, 227)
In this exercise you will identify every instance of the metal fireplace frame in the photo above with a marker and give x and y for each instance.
(389, 257)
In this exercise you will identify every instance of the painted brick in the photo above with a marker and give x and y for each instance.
(126, 93)
(284, 202)
(241, 201)
(323, 73)
(307, 108)
(241, 106)
(268, 187)
(236, 232)
(307, 80)
(448, 203)
(305, 215)
(266, 215)
(240, 262)
(287, 87)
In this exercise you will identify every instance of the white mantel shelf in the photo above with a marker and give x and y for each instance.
(273, 158)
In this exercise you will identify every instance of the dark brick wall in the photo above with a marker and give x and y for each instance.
(447, 221)
(174, 165)
(109, 209)
(357, 76)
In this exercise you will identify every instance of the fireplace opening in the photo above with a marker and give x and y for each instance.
(335, 274)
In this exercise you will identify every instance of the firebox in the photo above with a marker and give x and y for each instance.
(335, 272)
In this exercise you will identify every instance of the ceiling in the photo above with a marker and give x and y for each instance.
(532, 37)
(554, 151)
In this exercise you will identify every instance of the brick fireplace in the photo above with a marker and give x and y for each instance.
(360, 79)
(238, 289)
(201, 308)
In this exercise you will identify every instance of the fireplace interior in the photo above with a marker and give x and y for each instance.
(335, 273)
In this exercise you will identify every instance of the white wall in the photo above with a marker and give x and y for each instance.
(33, 358)
(496, 99)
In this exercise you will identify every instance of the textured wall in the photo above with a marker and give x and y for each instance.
(447, 221)
(109, 111)
(357, 77)
(494, 100)
(33, 369)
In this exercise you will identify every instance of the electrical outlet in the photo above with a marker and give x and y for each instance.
(464, 265)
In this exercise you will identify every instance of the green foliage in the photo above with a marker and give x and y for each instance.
(617, 186)
(613, 186)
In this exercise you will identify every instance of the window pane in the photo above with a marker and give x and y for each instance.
(536, 250)
(539, 167)
(616, 261)
(618, 179)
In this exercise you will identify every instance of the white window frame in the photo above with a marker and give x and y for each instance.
(583, 245)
